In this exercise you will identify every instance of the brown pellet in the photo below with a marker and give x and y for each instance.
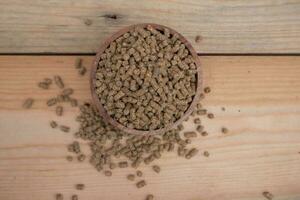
(69, 158)
(191, 153)
(74, 197)
(78, 63)
(88, 22)
(82, 71)
(156, 168)
(130, 177)
(28, 103)
(64, 128)
(141, 184)
(80, 186)
(210, 115)
(190, 134)
(268, 195)
(112, 166)
(199, 128)
(123, 164)
(107, 173)
(53, 124)
(206, 153)
(43, 85)
(149, 197)
(59, 82)
(67, 91)
(51, 102)
(59, 110)
(81, 157)
(201, 112)
(204, 133)
(59, 196)
(198, 38)
(224, 130)
(207, 89)
(197, 121)
(139, 173)
(48, 81)
(73, 102)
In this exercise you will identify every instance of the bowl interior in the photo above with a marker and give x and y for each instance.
(107, 118)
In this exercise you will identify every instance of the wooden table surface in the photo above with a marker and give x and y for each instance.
(260, 152)
(249, 52)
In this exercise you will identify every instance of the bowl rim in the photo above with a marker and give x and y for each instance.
(96, 100)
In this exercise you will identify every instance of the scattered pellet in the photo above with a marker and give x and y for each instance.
(156, 168)
(67, 91)
(204, 133)
(199, 128)
(80, 186)
(190, 134)
(149, 197)
(69, 158)
(74, 147)
(141, 184)
(78, 63)
(207, 89)
(198, 38)
(223, 108)
(52, 102)
(123, 164)
(206, 153)
(81, 157)
(53, 124)
(43, 85)
(48, 81)
(268, 195)
(224, 130)
(82, 71)
(191, 153)
(197, 121)
(139, 173)
(112, 165)
(59, 196)
(59, 82)
(74, 197)
(28, 103)
(64, 128)
(88, 22)
(59, 110)
(180, 127)
(201, 112)
(210, 115)
(73, 102)
(130, 177)
(107, 173)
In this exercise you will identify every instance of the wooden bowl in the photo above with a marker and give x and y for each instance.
(107, 118)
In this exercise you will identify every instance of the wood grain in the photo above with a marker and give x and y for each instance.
(56, 26)
(260, 152)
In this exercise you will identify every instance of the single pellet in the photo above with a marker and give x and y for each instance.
(190, 134)
(180, 127)
(59, 110)
(28, 103)
(123, 164)
(64, 128)
(51, 102)
(210, 115)
(59, 82)
(78, 63)
(139, 173)
(201, 112)
(156, 168)
(207, 89)
(69, 158)
(191, 153)
(67, 91)
(197, 121)
(141, 184)
(59, 196)
(268, 195)
(130, 177)
(150, 197)
(73, 102)
(204, 133)
(81, 157)
(53, 124)
(80, 186)
(82, 71)
(43, 85)
(107, 173)
(206, 153)
(74, 197)
(112, 165)
(224, 130)
(48, 81)
(199, 128)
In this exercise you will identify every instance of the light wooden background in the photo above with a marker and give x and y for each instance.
(261, 152)
(226, 26)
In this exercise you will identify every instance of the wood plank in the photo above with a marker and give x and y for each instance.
(38, 26)
(262, 102)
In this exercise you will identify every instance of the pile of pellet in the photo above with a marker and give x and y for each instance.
(146, 78)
